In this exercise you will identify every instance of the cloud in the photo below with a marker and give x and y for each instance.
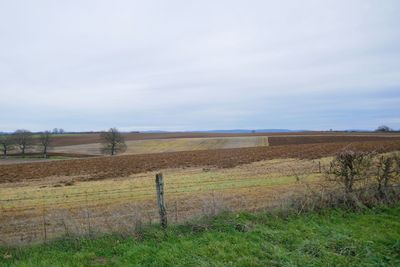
(199, 65)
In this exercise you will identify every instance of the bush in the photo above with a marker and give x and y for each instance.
(365, 180)
(387, 171)
(349, 167)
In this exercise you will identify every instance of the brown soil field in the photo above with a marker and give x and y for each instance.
(89, 138)
(312, 139)
(119, 166)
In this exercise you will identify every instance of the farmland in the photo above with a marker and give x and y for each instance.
(171, 145)
(200, 133)
(89, 144)
(116, 204)
(108, 167)
(43, 200)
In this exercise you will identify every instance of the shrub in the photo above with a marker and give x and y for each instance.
(364, 180)
(349, 167)
(387, 170)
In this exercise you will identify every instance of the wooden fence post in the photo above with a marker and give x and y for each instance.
(160, 200)
(89, 228)
(176, 211)
(44, 220)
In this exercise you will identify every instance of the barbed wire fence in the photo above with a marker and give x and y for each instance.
(40, 218)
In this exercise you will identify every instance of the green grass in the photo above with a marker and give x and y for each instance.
(332, 238)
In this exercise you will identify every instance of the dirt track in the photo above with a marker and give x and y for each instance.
(117, 166)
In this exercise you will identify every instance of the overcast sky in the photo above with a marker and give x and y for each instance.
(199, 65)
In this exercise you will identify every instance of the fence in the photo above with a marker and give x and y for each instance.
(39, 213)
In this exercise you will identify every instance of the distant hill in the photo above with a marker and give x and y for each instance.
(233, 131)
(250, 131)
(245, 131)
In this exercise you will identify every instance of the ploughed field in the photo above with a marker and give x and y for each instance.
(171, 143)
(185, 150)
(141, 143)
(124, 165)
(90, 138)
(42, 200)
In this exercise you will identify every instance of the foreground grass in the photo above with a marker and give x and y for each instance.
(334, 238)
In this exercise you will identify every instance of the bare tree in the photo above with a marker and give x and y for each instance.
(113, 142)
(6, 144)
(23, 138)
(45, 140)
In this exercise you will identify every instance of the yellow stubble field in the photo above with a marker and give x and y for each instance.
(50, 207)
(171, 145)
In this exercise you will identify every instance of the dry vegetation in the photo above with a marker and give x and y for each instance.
(38, 210)
(171, 145)
(354, 181)
(42, 200)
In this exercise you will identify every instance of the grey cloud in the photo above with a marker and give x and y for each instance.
(198, 64)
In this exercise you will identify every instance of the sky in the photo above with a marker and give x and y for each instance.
(183, 65)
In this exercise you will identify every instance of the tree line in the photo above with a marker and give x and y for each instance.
(112, 141)
(22, 140)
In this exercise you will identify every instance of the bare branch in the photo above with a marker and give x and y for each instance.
(113, 142)
(6, 144)
(45, 141)
(23, 138)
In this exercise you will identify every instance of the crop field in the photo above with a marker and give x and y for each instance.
(90, 138)
(89, 144)
(171, 145)
(43, 200)
(63, 205)
(97, 168)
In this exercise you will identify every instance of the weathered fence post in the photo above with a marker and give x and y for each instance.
(160, 200)
(176, 211)
(44, 220)
(319, 166)
(89, 228)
